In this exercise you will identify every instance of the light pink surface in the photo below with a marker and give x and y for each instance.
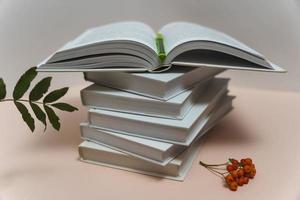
(264, 125)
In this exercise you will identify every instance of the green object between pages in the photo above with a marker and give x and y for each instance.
(160, 47)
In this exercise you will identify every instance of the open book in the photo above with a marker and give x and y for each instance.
(134, 46)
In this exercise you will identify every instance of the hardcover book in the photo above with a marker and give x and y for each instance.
(101, 97)
(170, 130)
(134, 46)
(163, 85)
(177, 169)
(157, 152)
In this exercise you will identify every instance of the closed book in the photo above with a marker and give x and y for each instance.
(163, 86)
(177, 169)
(101, 97)
(171, 130)
(146, 149)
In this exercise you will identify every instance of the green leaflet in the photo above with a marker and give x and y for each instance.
(24, 83)
(55, 95)
(53, 118)
(35, 95)
(39, 113)
(64, 107)
(40, 89)
(2, 89)
(25, 115)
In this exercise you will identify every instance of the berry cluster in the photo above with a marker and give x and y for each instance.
(236, 173)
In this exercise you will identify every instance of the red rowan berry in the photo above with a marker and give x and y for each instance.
(248, 161)
(229, 168)
(233, 186)
(234, 161)
(240, 172)
(235, 167)
(234, 174)
(243, 162)
(247, 169)
(251, 175)
(246, 180)
(240, 181)
(229, 178)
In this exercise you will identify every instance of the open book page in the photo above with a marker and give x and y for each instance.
(132, 31)
(177, 33)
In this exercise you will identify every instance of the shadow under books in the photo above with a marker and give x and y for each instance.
(230, 131)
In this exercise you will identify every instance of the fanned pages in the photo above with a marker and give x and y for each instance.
(134, 46)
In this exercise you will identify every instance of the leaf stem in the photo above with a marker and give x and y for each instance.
(24, 100)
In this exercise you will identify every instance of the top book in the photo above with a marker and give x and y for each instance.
(134, 46)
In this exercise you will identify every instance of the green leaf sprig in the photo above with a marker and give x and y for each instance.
(38, 91)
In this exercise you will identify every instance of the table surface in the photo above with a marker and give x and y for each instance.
(264, 125)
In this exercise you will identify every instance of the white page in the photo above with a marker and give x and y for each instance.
(177, 33)
(134, 31)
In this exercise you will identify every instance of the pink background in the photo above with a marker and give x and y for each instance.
(264, 125)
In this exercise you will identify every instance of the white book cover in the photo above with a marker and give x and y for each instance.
(101, 97)
(162, 86)
(157, 152)
(177, 169)
(174, 131)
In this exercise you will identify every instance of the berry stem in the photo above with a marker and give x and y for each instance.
(213, 165)
(214, 169)
(217, 168)
(221, 175)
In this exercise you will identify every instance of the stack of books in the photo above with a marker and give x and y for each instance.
(151, 122)
(148, 122)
